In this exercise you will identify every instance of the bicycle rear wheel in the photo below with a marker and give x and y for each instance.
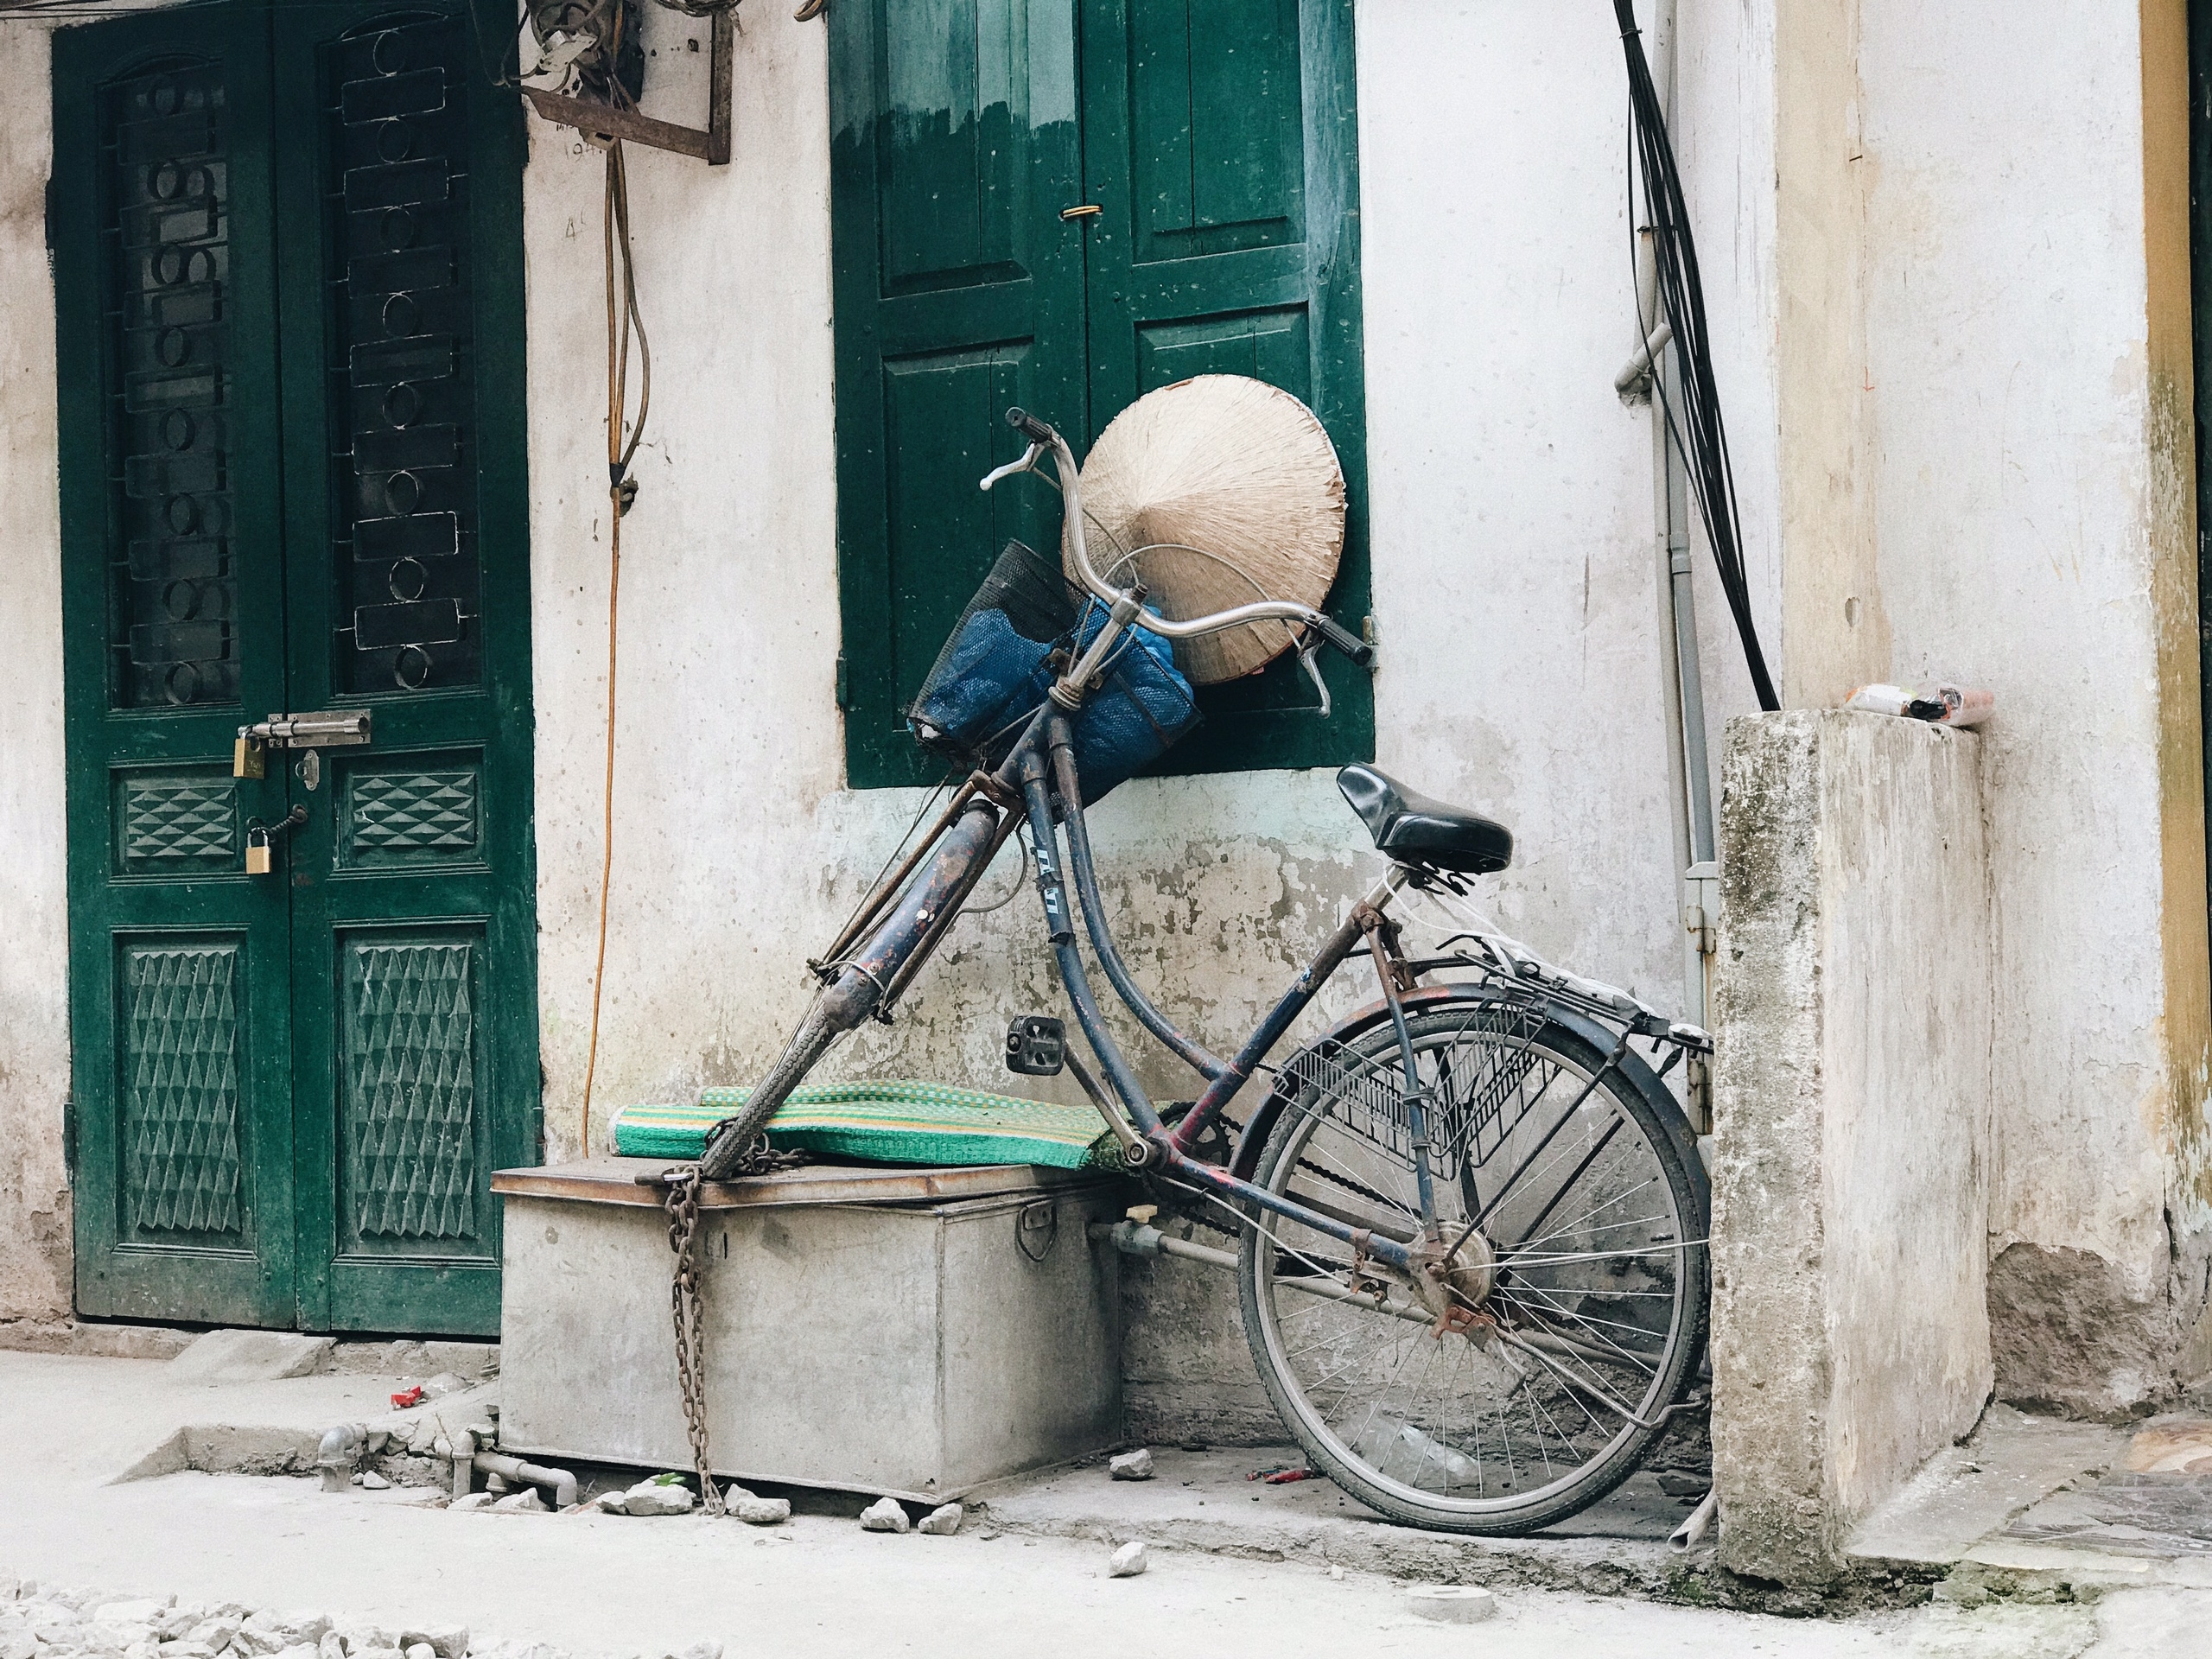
(1585, 1325)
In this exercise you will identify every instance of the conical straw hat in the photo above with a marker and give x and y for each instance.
(1217, 490)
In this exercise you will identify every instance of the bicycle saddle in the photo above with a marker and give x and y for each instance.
(1413, 829)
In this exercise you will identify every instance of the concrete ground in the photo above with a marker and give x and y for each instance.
(1028, 1570)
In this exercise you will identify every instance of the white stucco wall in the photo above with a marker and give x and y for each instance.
(1515, 587)
(2012, 478)
(35, 1214)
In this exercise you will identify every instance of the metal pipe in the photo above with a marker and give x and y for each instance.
(560, 1482)
(1687, 1536)
(1689, 762)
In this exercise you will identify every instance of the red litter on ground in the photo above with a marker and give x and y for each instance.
(406, 1397)
(1281, 1477)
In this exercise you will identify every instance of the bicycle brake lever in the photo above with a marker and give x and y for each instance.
(1026, 464)
(1308, 658)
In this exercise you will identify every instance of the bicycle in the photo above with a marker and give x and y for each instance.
(1472, 1216)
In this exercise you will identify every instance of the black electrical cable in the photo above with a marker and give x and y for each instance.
(1692, 411)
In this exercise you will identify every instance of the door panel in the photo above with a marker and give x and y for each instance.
(172, 626)
(1219, 135)
(414, 947)
(959, 291)
(291, 1088)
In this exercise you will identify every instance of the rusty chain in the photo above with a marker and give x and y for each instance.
(680, 1199)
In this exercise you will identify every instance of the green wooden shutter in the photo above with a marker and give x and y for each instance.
(1220, 137)
(959, 290)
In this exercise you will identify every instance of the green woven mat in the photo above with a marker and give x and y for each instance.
(902, 1122)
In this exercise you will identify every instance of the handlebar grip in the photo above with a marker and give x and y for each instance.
(1349, 643)
(1030, 427)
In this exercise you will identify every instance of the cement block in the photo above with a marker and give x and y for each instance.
(251, 1356)
(915, 1349)
(1852, 1094)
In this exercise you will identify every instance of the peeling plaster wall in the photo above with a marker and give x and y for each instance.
(35, 1214)
(1515, 590)
(1984, 401)
(1516, 598)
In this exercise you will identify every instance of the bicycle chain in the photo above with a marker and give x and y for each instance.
(687, 1306)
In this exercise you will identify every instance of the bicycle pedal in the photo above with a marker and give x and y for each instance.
(1036, 1045)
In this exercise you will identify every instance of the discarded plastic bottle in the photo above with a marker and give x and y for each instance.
(1388, 1444)
(1941, 704)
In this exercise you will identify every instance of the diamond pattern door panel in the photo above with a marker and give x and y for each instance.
(409, 1087)
(179, 1060)
(410, 817)
(177, 825)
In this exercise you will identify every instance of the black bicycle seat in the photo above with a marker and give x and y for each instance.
(1413, 829)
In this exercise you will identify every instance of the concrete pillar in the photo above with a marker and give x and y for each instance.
(1852, 1095)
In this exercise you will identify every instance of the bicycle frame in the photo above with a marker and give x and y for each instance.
(1040, 767)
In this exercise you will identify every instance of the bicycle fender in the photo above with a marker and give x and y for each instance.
(1245, 1161)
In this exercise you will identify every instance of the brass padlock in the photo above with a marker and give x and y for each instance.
(250, 759)
(259, 855)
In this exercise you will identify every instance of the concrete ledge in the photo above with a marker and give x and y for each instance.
(1852, 1095)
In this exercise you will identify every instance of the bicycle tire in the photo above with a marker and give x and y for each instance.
(1539, 1302)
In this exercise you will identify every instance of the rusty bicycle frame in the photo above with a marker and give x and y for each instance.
(898, 926)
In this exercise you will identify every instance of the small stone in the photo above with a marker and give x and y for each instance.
(525, 1501)
(1132, 1466)
(884, 1514)
(652, 1498)
(421, 1650)
(190, 1651)
(608, 1503)
(762, 1511)
(942, 1521)
(1963, 1593)
(1451, 1604)
(475, 1500)
(701, 1651)
(422, 1436)
(447, 1641)
(1674, 1484)
(333, 1646)
(443, 1383)
(360, 1638)
(214, 1633)
(141, 1612)
(1128, 1560)
(1336, 1572)
(373, 1482)
(294, 1627)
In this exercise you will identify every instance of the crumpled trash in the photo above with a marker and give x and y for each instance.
(408, 1398)
(1941, 704)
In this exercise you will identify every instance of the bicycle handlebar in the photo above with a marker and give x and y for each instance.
(1042, 437)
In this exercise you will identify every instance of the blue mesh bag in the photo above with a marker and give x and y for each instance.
(1021, 630)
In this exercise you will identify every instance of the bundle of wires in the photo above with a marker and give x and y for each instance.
(1693, 403)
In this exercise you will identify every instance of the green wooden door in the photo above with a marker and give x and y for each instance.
(343, 1050)
(1216, 139)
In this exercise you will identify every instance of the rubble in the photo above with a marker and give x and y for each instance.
(942, 1521)
(1131, 1465)
(757, 1512)
(884, 1514)
(658, 1496)
(44, 1621)
(1127, 1562)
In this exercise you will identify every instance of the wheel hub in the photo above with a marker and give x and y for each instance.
(1456, 1278)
